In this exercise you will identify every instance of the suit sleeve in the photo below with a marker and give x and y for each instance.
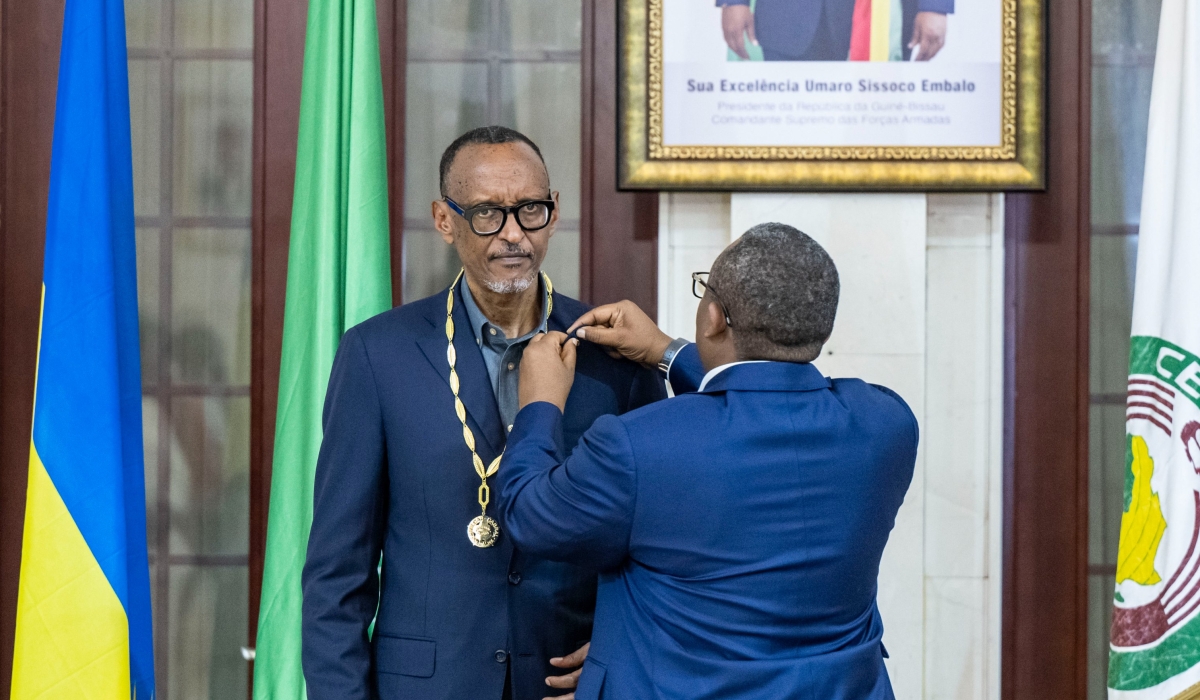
(579, 511)
(686, 372)
(340, 580)
(945, 7)
(646, 388)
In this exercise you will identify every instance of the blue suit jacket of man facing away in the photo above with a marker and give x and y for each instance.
(738, 531)
(395, 476)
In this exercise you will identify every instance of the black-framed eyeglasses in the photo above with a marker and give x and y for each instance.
(489, 219)
(700, 285)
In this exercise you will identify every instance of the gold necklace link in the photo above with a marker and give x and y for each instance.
(483, 531)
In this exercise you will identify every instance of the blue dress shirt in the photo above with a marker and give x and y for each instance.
(501, 354)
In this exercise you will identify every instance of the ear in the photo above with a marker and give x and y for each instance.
(716, 320)
(553, 227)
(443, 221)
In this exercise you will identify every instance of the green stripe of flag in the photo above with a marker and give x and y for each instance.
(338, 275)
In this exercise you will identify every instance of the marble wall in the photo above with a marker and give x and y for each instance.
(921, 312)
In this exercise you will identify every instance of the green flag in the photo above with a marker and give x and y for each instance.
(338, 275)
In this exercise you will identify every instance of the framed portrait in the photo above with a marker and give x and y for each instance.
(831, 94)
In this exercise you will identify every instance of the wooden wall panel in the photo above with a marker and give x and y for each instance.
(618, 230)
(1044, 652)
(29, 43)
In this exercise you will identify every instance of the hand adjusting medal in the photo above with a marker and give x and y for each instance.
(483, 530)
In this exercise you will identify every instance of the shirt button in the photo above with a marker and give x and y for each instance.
(493, 332)
(501, 656)
(510, 428)
(514, 578)
(511, 366)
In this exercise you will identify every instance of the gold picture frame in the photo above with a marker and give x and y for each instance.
(647, 164)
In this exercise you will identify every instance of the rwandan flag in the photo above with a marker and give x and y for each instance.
(83, 610)
(875, 33)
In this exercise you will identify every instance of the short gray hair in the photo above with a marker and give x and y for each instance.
(780, 289)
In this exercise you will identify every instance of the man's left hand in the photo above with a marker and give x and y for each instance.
(547, 370)
(570, 680)
(929, 34)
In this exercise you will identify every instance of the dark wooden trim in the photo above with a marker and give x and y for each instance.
(1044, 629)
(618, 247)
(278, 64)
(259, 485)
(393, 44)
(29, 44)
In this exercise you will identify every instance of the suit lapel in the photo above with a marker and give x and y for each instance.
(559, 317)
(475, 388)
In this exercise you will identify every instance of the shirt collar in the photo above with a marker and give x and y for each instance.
(480, 322)
(717, 370)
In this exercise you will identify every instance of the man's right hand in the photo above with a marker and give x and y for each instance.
(626, 329)
(737, 21)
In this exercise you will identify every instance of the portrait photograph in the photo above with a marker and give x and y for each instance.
(857, 94)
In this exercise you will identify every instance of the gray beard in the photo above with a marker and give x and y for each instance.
(511, 286)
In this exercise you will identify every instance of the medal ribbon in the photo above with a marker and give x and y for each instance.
(485, 491)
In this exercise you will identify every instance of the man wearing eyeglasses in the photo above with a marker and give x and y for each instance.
(739, 526)
(420, 403)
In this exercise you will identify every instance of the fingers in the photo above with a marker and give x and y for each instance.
(573, 659)
(733, 25)
(929, 35)
(737, 44)
(750, 32)
(569, 680)
(553, 339)
(599, 316)
(567, 353)
(600, 335)
(930, 47)
(568, 696)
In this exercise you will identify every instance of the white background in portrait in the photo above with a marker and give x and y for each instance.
(694, 48)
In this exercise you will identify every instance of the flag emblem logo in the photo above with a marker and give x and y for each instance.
(1156, 612)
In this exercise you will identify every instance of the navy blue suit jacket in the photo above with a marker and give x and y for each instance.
(789, 26)
(739, 532)
(395, 477)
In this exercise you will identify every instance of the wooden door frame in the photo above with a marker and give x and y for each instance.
(1047, 265)
(618, 230)
(29, 45)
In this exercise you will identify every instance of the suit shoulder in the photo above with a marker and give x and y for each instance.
(573, 308)
(399, 322)
(860, 391)
(682, 408)
(875, 399)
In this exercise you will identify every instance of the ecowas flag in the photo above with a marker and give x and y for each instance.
(1155, 642)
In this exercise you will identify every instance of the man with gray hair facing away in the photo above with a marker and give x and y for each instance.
(738, 527)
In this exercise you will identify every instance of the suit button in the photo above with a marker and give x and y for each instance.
(514, 578)
(501, 656)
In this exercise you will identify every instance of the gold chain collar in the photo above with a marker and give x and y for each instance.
(483, 531)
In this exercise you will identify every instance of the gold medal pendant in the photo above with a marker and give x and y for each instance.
(483, 531)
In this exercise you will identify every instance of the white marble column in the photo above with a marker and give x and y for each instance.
(921, 313)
